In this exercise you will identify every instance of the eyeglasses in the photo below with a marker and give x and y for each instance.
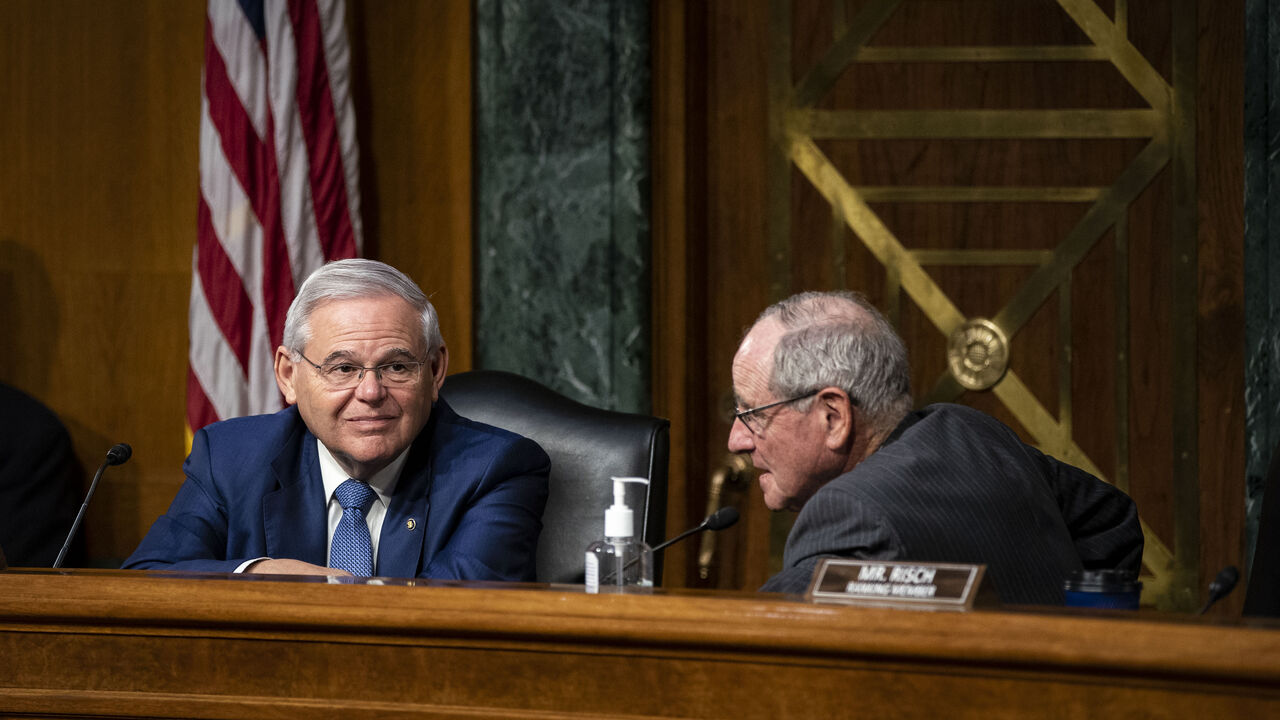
(346, 375)
(756, 424)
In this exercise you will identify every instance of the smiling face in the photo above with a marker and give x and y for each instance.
(789, 450)
(368, 426)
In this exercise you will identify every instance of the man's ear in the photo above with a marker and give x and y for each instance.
(286, 375)
(838, 418)
(439, 366)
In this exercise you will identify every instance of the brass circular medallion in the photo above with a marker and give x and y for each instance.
(978, 354)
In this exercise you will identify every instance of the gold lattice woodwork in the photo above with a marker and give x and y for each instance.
(799, 120)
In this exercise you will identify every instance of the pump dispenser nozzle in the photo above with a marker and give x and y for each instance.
(619, 520)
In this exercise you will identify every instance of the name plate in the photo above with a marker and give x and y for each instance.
(933, 586)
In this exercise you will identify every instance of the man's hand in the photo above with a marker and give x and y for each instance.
(271, 566)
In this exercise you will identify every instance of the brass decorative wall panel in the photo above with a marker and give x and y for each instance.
(815, 117)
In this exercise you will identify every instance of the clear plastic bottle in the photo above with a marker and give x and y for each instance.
(619, 562)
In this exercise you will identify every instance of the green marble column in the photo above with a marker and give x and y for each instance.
(1262, 249)
(562, 195)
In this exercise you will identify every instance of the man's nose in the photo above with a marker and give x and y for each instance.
(370, 387)
(740, 438)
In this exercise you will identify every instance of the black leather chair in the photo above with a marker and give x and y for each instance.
(1262, 598)
(587, 447)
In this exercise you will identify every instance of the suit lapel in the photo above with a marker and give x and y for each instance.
(403, 529)
(295, 515)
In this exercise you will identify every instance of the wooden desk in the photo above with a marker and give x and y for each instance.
(130, 644)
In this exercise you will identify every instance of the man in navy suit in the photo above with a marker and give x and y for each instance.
(824, 381)
(361, 368)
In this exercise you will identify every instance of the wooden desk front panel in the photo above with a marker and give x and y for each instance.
(129, 645)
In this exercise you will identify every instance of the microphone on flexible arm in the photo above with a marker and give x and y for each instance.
(117, 455)
(1222, 585)
(718, 520)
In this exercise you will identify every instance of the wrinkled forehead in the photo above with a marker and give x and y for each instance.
(753, 363)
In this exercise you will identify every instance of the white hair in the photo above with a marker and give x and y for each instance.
(353, 279)
(840, 339)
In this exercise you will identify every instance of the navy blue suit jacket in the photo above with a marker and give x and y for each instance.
(468, 505)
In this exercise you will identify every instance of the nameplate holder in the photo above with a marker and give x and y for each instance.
(925, 586)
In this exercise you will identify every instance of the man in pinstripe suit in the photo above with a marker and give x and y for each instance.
(824, 381)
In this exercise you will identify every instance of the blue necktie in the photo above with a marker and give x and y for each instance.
(352, 548)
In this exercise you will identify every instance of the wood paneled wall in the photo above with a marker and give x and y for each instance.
(413, 103)
(98, 135)
(714, 247)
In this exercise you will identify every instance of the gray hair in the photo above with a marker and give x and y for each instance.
(840, 339)
(350, 280)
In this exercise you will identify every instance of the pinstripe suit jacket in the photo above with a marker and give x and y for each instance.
(952, 484)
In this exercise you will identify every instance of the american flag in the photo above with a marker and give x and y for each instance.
(278, 190)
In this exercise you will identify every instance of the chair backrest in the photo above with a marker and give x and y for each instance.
(587, 446)
(1262, 597)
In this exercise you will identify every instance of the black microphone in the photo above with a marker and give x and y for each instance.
(117, 455)
(1221, 586)
(718, 520)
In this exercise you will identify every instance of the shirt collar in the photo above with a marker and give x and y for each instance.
(383, 482)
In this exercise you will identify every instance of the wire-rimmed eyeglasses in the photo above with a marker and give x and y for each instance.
(343, 375)
(755, 424)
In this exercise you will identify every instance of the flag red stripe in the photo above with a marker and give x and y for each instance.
(200, 410)
(319, 127)
(228, 302)
(244, 152)
(254, 164)
(277, 273)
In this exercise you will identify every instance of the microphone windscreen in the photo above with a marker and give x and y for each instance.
(119, 453)
(722, 518)
(1225, 581)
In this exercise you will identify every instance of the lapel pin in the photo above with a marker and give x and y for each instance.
(410, 524)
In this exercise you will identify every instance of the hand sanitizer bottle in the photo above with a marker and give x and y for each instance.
(620, 562)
